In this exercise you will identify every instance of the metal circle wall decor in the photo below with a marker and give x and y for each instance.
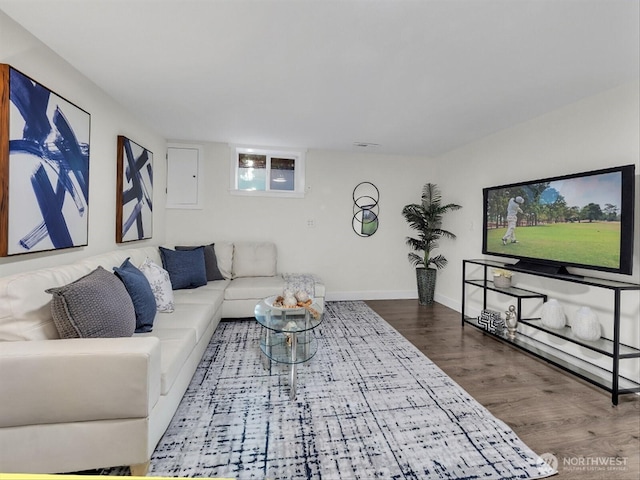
(365, 209)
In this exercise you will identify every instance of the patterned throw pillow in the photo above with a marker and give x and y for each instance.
(160, 283)
(94, 306)
(186, 267)
(144, 301)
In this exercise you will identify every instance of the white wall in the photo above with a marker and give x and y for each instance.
(597, 132)
(351, 266)
(24, 52)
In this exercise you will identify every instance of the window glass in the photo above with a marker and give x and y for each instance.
(282, 175)
(267, 172)
(252, 172)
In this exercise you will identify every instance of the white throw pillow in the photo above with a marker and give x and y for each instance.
(160, 285)
(224, 255)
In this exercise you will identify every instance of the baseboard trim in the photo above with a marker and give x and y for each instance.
(448, 302)
(370, 295)
(388, 295)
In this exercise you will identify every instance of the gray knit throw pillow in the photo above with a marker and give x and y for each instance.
(94, 306)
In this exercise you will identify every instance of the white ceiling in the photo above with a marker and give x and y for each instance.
(416, 77)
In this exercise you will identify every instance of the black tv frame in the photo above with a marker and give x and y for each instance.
(548, 266)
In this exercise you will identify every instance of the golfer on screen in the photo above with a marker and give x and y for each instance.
(513, 209)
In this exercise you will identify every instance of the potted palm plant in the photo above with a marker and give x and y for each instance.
(426, 218)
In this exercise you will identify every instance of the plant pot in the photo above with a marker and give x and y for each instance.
(426, 278)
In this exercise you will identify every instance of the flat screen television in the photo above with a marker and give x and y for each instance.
(582, 220)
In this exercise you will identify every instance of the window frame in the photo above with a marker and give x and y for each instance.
(298, 155)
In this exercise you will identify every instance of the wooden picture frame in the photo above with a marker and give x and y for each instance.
(134, 192)
(44, 167)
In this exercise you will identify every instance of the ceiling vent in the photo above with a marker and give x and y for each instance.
(365, 145)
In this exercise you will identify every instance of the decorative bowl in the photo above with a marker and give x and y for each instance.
(501, 282)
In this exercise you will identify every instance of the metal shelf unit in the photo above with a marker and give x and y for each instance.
(609, 380)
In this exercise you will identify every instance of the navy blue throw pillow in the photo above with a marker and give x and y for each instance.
(186, 267)
(210, 261)
(139, 289)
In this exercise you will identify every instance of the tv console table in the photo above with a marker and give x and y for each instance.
(607, 379)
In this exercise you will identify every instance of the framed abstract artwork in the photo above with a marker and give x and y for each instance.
(44, 167)
(134, 194)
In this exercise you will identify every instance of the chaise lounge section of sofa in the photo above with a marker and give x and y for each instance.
(82, 403)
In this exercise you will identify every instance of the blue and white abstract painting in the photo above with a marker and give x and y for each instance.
(134, 220)
(48, 169)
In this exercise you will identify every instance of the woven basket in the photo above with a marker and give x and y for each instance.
(501, 282)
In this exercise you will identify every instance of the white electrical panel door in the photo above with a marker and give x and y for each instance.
(184, 176)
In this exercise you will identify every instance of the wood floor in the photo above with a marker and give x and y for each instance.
(550, 410)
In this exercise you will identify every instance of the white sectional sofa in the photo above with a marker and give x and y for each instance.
(82, 403)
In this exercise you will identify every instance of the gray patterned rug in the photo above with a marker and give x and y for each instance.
(369, 405)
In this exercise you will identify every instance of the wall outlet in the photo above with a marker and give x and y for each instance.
(311, 223)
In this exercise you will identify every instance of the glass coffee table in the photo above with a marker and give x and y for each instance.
(287, 335)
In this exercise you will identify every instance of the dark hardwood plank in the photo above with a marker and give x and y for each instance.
(550, 410)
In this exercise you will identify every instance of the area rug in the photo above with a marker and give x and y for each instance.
(368, 405)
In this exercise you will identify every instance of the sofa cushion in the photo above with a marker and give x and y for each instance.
(25, 306)
(176, 344)
(254, 259)
(96, 305)
(113, 258)
(254, 287)
(144, 302)
(186, 268)
(218, 285)
(196, 316)
(160, 284)
(209, 294)
(210, 261)
(320, 289)
(224, 255)
(50, 382)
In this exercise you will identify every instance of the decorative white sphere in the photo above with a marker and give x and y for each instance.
(302, 296)
(585, 324)
(552, 314)
(291, 326)
(290, 301)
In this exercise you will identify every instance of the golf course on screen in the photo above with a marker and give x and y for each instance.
(585, 243)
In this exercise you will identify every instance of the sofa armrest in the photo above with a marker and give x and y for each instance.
(74, 380)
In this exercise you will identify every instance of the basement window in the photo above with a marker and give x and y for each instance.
(267, 172)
